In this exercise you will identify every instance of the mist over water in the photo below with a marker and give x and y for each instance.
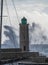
(38, 40)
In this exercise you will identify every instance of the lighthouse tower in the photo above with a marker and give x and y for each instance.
(24, 35)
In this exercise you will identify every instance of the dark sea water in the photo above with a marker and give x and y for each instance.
(41, 48)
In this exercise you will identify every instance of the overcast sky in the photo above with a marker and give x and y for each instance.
(33, 10)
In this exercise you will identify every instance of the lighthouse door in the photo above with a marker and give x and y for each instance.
(24, 48)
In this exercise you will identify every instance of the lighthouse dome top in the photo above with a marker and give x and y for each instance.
(24, 21)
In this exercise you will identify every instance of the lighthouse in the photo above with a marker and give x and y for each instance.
(24, 35)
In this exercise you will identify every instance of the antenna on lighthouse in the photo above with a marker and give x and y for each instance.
(1, 21)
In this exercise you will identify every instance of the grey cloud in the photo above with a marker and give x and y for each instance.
(45, 10)
(34, 1)
(26, 1)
